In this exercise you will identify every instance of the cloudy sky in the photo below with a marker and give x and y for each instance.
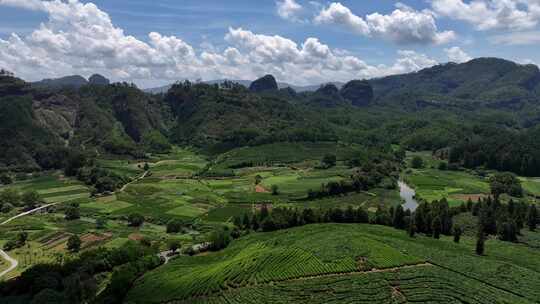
(302, 42)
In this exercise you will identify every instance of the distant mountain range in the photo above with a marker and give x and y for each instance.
(73, 81)
(247, 83)
(37, 118)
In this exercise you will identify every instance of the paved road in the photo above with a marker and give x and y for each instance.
(3, 254)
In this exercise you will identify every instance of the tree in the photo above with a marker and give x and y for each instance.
(10, 245)
(219, 239)
(74, 243)
(457, 234)
(436, 227)
(507, 231)
(361, 216)
(22, 237)
(174, 226)
(101, 222)
(329, 161)
(48, 296)
(417, 162)
(268, 224)
(30, 199)
(255, 222)
(481, 238)
(5, 179)
(75, 161)
(382, 216)
(264, 212)
(398, 220)
(146, 167)
(258, 179)
(72, 212)
(505, 183)
(532, 217)
(174, 245)
(275, 190)
(6, 208)
(135, 220)
(10, 196)
(246, 222)
(237, 221)
(443, 166)
(412, 227)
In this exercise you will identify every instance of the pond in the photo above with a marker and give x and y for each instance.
(407, 193)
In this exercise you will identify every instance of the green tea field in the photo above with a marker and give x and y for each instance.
(345, 264)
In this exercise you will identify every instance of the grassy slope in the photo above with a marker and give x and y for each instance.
(509, 271)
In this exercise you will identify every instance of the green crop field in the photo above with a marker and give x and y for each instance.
(331, 262)
(408, 285)
(531, 185)
(431, 183)
(286, 153)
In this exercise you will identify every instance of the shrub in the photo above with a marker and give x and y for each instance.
(275, 190)
(72, 213)
(135, 220)
(174, 226)
(219, 239)
(5, 179)
(417, 162)
(74, 243)
(329, 160)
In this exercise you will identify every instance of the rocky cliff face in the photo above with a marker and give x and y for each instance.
(97, 79)
(58, 114)
(358, 92)
(266, 83)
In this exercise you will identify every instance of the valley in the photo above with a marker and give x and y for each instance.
(219, 193)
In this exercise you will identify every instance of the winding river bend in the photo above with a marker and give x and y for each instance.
(407, 193)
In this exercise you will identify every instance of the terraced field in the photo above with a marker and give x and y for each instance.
(333, 263)
(286, 153)
(405, 285)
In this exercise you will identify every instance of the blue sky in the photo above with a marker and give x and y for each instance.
(237, 38)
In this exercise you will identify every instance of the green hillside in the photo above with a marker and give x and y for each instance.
(344, 263)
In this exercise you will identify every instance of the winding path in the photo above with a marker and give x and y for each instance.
(14, 263)
(26, 213)
(133, 181)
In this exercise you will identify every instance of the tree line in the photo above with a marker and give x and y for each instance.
(75, 279)
(432, 219)
(500, 149)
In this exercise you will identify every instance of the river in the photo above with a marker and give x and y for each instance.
(407, 193)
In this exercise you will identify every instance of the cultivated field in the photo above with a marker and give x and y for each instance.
(174, 189)
(345, 264)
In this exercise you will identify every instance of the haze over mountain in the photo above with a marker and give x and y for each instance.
(247, 83)
(307, 55)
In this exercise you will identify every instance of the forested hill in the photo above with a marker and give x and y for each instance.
(470, 108)
(39, 125)
(484, 81)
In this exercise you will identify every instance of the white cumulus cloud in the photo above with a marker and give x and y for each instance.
(491, 14)
(457, 55)
(79, 38)
(289, 9)
(517, 38)
(403, 26)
